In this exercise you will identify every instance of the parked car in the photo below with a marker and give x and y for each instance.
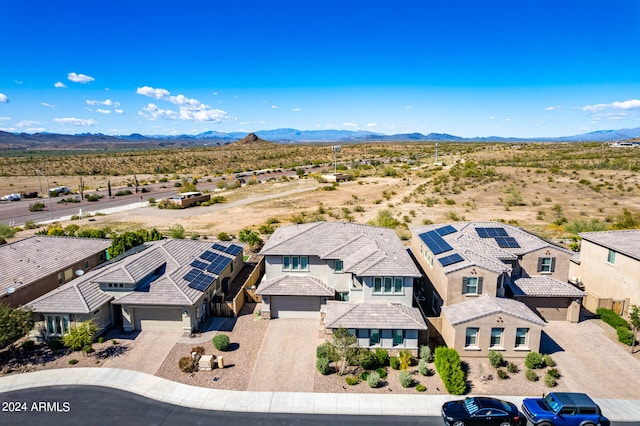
(481, 411)
(563, 409)
(11, 197)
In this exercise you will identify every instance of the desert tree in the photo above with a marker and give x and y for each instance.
(15, 323)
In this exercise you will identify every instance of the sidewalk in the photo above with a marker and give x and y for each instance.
(269, 402)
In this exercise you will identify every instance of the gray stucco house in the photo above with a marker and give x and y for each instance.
(355, 276)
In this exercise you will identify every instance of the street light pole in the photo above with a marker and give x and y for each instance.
(335, 149)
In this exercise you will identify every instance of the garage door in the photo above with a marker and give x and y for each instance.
(158, 319)
(295, 307)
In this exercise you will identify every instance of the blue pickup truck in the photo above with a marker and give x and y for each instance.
(563, 409)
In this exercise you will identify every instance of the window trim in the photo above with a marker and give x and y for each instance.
(387, 285)
(401, 335)
(525, 344)
(478, 286)
(468, 345)
(611, 257)
(542, 267)
(376, 332)
(338, 266)
(295, 263)
(500, 343)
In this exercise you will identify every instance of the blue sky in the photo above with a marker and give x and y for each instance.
(521, 68)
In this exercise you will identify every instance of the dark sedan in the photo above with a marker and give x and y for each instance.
(481, 411)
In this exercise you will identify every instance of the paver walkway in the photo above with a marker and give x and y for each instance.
(286, 359)
(146, 353)
(590, 362)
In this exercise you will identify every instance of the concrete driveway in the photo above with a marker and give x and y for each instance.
(590, 362)
(145, 352)
(286, 360)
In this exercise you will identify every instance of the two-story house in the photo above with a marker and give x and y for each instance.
(355, 276)
(474, 269)
(608, 268)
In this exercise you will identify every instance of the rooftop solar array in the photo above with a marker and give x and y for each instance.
(435, 242)
(209, 255)
(218, 264)
(198, 279)
(232, 249)
(446, 230)
(491, 232)
(507, 242)
(450, 260)
(199, 264)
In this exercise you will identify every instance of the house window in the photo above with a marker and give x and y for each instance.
(387, 284)
(101, 257)
(472, 285)
(398, 284)
(496, 337)
(398, 337)
(68, 275)
(295, 263)
(471, 339)
(337, 265)
(611, 257)
(86, 264)
(374, 337)
(57, 325)
(546, 264)
(521, 337)
(377, 285)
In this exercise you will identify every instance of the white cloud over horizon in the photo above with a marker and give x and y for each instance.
(296, 109)
(44, 104)
(106, 102)
(5, 118)
(80, 78)
(76, 121)
(350, 124)
(3, 98)
(60, 85)
(624, 105)
(188, 108)
(26, 123)
(103, 111)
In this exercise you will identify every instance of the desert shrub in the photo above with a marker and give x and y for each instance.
(322, 364)
(611, 318)
(512, 368)
(548, 361)
(73, 361)
(420, 387)
(223, 236)
(87, 349)
(326, 350)
(186, 364)
(93, 198)
(394, 362)
(406, 357)
(447, 362)
(553, 372)
(405, 379)
(221, 342)
(199, 350)
(177, 231)
(382, 355)
(502, 374)
(531, 375)
(373, 379)
(352, 380)
(114, 342)
(426, 353)
(534, 360)
(123, 192)
(100, 339)
(496, 359)
(36, 207)
(382, 372)
(363, 376)
(625, 335)
(549, 380)
(422, 367)
(368, 360)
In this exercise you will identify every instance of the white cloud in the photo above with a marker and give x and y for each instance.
(624, 105)
(5, 118)
(18, 82)
(507, 120)
(103, 111)
(3, 98)
(44, 104)
(350, 124)
(553, 108)
(189, 108)
(26, 123)
(371, 124)
(79, 78)
(296, 109)
(408, 107)
(492, 117)
(35, 129)
(106, 102)
(119, 111)
(60, 85)
(76, 121)
(274, 106)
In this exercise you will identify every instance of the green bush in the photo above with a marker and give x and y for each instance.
(534, 360)
(36, 207)
(496, 359)
(123, 192)
(625, 335)
(420, 387)
(422, 367)
(394, 362)
(406, 381)
(512, 368)
(553, 372)
(548, 361)
(406, 358)
(426, 354)
(383, 356)
(73, 361)
(326, 350)
(447, 362)
(221, 342)
(322, 364)
(368, 360)
(382, 372)
(186, 364)
(352, 380)
(373, 379)
(502, 374)
(611, 318)
(100, 339)
(363, 376)
(87, 349)
(531, 375)
(549, 380)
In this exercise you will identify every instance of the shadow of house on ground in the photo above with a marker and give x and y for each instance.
(548, 345)
(112, 351)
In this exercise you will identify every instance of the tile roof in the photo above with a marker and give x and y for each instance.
(34, 258)
(626, 242)
(544, 286)
(294, 285)
(365, 250)
(381, 315)
(484, 306)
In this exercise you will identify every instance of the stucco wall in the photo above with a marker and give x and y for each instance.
(529, 262)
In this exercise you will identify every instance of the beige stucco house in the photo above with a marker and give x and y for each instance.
(36, 265)
(160, 285)
(354, 276)
(608, 268)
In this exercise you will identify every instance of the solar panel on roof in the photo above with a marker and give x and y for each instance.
(446, 230)
(189, 276)
(231, 249)
(450, 260)
(220, 264)
(209, 255)
(199, 264)
(491, 232)
(435, 242)
(507, 242)
(201, 282)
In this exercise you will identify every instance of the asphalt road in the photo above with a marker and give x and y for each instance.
(89, 405)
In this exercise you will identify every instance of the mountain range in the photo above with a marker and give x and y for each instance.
(97, 140)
